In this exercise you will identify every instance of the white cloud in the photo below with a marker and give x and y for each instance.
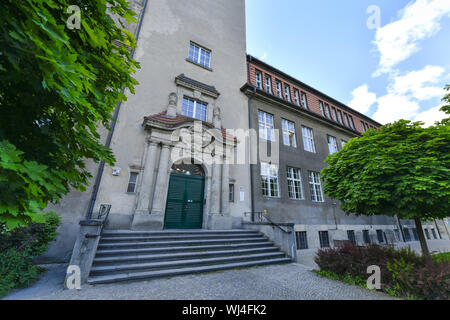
(398, 40)
(414, 83)
(362, 99)
(430, 116)
(392, 107)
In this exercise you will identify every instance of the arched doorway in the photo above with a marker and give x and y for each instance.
(184, 207)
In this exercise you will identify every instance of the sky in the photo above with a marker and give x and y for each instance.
(387, 59)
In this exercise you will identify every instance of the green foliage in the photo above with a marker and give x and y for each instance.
(57, 86)
(347, 278)
(401, 169)
(18, 248)
(441, 257)
(446, 107)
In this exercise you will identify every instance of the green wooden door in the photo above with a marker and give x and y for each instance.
(184, 208)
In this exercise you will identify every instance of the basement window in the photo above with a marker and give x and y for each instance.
(324, 239)
(302, 241)
(132, 182)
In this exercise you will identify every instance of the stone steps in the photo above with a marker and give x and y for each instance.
(131, 255)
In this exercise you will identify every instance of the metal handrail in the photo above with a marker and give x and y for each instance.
(263, 214)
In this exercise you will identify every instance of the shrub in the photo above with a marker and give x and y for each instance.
(19, 247)
(441, 257)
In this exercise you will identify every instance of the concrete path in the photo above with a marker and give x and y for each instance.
(286, 282)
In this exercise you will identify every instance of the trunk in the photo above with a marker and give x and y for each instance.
(423, 242)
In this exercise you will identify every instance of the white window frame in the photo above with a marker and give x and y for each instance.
(305, 101)
(297, 97)
(268, 82)
(334, 113)
(308, 139)
(288, 133)
(265, 123)
(352, 124)
(132, 174)
(322, 110)
(287, 92)
(327, 111)
(295, 187)
(196, 105)
(269, 173)
(198, 58)
(346, 120)
(279, 89)
(339, 113)
(315, 186)
(258, 79)
(332, 144)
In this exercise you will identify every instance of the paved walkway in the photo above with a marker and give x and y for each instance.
(285, 282)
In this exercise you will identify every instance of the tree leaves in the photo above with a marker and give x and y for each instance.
(402, 169)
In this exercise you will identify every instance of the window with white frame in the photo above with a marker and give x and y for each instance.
(199, 55)
(258, 79)
(339, 116)
(343, 142)
(305, 101)
(268, 84)
(288, 133)
(308, 139)
(332, 144)
(315, 186)
(132, 182)
(194, 109)
(346, 120)
(334, 114)
(265, 121)
(297, 97)
(294, 179)
(279, 89)
(327, 111)
(269, 180)
(287, 92)
(352, 124)
(321, 108)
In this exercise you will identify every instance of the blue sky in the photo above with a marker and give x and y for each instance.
(395, 71)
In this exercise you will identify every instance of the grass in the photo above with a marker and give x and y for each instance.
(441, 257)
(347, 278)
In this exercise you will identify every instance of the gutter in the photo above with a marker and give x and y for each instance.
(250, 127)
(101, 167)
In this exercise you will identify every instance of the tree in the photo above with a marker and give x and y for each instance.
(446, 108)
(401, 169)
(57, 86)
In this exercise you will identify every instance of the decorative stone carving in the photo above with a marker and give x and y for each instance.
(172, 106)
(217, 118)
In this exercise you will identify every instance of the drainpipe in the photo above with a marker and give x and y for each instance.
(250, 126)
(101, 167)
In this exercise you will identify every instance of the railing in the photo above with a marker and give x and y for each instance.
(103, 214)
(261, 216)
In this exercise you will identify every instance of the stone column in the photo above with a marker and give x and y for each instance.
(225, 189)
(147, 179)
(215, 189)
(161, 181)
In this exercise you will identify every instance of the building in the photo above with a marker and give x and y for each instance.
(288, 187)
(193, 66)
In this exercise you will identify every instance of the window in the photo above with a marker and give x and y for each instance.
(194, 109)
(265, 125)
(366, 237)
(287, 93)
(352, 124)
(363, 125)
(288, 133)
(339, 116)
(269, 179)
(321, 108)
(308, 139)
(297, 97)
(415, 235)
(268, 84)
(380, 236)
(351, 236)
(258, 79)
(427, 234)
(132, 182)
(346, 119)
(334, 114)
(315, 186)
(343, 142)
(302, 241)
(199, 55)
(434, 233)
(294, 179)
(324, 240)
(407, 234)
(279, 89)
(332, 144)
(327, 111)
(305, 101)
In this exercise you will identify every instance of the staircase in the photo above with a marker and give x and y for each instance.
(124, 255)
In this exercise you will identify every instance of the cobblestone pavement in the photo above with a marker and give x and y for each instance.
(286, 282)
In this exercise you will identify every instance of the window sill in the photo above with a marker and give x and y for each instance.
(199, 65)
